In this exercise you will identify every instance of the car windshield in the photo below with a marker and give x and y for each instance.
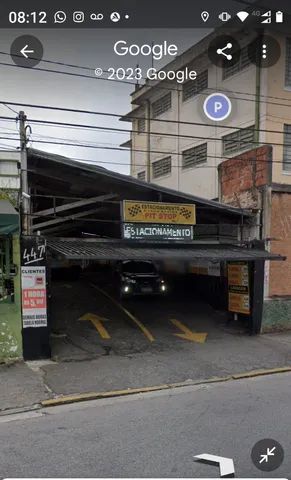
(139, 267)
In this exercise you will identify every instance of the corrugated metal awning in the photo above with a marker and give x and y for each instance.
(83, 249)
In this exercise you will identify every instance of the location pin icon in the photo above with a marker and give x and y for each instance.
(205, 16)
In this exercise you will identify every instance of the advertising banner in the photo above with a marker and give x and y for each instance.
(238, 287)
(158, 212)
(34, 307)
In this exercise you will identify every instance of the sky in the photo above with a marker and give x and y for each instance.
(89, 48)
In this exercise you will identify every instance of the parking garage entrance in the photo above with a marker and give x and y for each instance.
(210, 286)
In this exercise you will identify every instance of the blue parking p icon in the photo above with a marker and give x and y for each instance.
(217, 107)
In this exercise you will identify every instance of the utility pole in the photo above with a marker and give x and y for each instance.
(25, 198)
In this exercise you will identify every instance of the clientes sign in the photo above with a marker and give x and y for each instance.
(157, 51)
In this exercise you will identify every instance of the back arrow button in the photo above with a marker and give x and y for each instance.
(24, 51)
(23, 47)
(226, 465)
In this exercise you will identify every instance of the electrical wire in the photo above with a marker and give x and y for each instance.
(117, 115)
(120, 81)
(161, 152)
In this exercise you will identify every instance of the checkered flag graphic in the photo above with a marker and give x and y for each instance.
(135, 210)
(186, 213)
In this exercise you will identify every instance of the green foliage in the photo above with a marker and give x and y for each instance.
(10, 195)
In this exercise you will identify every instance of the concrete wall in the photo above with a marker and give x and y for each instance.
(276, 315)
(10, 316)
(9, 171)
(280, 272)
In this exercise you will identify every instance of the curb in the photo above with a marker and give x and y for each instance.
(16, 410)
(68, 399)
(260, 373)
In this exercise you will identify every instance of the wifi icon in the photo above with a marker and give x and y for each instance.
(242, 16)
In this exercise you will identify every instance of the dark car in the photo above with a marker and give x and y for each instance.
(139, 278)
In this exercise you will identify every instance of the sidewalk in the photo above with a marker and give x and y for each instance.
(27, 384)
(20, 386)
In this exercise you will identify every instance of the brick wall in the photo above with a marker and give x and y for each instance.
(280, 272)
(241, 176)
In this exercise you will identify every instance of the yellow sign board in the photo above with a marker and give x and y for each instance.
(238, 288)
(158, 212)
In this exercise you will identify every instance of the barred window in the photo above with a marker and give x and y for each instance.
(141, 175)
(141, 124)
(162, 105)
(288, 63)
(162, 167)
(240, 140)
(194, 156)
(242, 63)
(287, 148)
(193, 87)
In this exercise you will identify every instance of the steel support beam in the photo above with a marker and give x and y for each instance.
(58, 220)
(73, 205)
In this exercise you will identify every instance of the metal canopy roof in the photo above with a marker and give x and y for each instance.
(76, 249)
(112, 181)
(66, 198)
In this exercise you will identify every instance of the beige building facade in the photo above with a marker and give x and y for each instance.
(175, 145)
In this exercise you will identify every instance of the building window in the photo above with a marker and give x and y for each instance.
(162, 167)
(193, 87)
(141, 124)
(194, 156)
(141, 175)
(288, 63)
(242, 139)
(162, 105)
(242, 63)
(287, 148)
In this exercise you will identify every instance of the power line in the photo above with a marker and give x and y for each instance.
(71, 74)
(118, 148)
(9, 108)
(47, 122)
(146, 151)
(117, 115)
(213, 139)
(157, 134)
(111, 129)
(161, 152)
(7, 146)
(122, 130)
(120, 81)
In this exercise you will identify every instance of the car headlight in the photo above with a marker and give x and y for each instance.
(163, 287)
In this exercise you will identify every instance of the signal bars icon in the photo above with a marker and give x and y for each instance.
(268, 16)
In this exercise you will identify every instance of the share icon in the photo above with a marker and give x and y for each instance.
(221, 51)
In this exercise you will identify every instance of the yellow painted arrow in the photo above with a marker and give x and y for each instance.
(97, 322)
(188, 334)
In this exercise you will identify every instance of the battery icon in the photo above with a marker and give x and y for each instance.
(279, 17)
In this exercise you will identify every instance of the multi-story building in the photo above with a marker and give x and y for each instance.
(244, 160)
(175, 145)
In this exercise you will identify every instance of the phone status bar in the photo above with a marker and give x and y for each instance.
(150, 14)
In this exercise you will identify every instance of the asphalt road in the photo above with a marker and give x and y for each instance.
(153, 435)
